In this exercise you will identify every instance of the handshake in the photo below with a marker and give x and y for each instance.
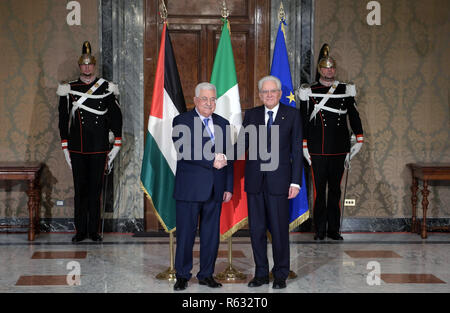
(220, 161)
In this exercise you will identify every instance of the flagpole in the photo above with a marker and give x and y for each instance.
(230, 273)
(170, 273)
(282, 19)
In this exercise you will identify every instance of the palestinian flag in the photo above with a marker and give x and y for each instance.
(160, 158)
(234, 213)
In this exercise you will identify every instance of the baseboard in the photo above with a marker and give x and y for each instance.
(67, 225)
(136, 226)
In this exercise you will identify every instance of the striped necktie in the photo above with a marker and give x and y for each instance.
(206, 121)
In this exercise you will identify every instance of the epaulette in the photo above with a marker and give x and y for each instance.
(350, 89)
(114, 88)
(63, 89)
(304, 91)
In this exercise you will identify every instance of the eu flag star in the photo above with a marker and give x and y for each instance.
(291, 97)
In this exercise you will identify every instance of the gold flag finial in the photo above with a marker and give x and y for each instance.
(225, 12)
(163, 11)
(281, 13)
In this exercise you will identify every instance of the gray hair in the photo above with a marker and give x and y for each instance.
(266, 78)
(204, 86)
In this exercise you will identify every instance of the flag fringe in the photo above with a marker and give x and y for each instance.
(234, 229)
(299, 220)
(155, 211)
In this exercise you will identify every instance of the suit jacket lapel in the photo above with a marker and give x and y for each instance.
(281, 115)
(261, 118)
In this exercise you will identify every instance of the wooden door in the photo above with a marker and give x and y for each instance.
(195, 28)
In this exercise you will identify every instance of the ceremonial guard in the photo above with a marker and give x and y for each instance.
(88, 112)
(325, 107)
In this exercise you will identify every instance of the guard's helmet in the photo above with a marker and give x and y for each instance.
(325, 60)
(86, 57)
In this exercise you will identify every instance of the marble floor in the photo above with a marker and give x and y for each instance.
(363, 262)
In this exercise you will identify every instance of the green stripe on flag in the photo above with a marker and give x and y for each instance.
(224, 63)
(158, 181)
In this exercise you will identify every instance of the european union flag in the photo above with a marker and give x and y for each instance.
(298, 207)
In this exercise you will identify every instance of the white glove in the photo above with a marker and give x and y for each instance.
(111, 155)
(307, 156)
(353, 151)
(306, 152)
(67, 156)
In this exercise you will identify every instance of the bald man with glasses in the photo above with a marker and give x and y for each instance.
(203, 180)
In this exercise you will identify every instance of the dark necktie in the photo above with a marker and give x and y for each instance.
(270, 121)
(269, 126)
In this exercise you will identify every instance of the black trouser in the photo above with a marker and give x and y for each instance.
(269, 212)
(88, 171)
(189, 215)
(327, 170)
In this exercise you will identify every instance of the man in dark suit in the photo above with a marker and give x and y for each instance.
(270, 183)
(203, 181)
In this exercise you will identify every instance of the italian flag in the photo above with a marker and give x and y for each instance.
(234, 213)
(160, 158)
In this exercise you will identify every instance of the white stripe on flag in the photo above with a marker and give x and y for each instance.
(161, 130)
(229, 107)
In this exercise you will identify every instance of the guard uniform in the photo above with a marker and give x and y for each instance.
(327, 137)
(87, 113)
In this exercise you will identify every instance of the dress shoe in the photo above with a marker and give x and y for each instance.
(181, 284)
(279, 284)
(210, 282)
(258, 281)
(335, 236)
(96, 237)
(319, 236)
(78, 238)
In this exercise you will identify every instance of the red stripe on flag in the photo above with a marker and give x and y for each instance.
(235, 211)
(156, 108)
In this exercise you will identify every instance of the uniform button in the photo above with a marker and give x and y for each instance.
(338, 124)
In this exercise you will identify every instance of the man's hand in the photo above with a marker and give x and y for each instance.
(220, 161)
(293, 192)
(227, 196)
(112, 155)
(67, 156)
